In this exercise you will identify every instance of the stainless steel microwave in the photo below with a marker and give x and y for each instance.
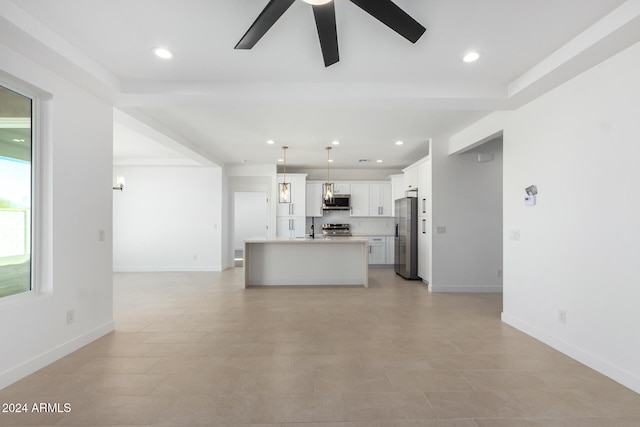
(339, 202)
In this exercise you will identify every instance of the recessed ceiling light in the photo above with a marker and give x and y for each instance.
(336, 142)
(399, 142)
(330, 160)
(378, 161)
(271, 142)
(162, 52)
(471, 57)
(281, 160)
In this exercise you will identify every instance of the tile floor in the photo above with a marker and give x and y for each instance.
(195, 349)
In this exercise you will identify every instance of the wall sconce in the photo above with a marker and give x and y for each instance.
(119, 183)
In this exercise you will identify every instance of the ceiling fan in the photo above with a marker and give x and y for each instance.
(324, 11)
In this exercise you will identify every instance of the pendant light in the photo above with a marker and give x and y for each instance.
(327, 187)
(284, 188)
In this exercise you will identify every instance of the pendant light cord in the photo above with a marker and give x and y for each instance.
(328, 164)
(284, 172)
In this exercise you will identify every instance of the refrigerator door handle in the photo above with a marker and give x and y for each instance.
(424, 226)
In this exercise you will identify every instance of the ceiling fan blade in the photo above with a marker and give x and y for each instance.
(393, 17)
(327, 33)
(269, 15)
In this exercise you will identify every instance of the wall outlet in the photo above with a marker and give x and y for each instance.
(195, 257)
(441, 229)
(499, 272)
(71, 317)
(101, 235)
(514, 234)
(562, 316)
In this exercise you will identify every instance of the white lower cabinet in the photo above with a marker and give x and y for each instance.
(290, 227)
(391, 250)
(377, 249)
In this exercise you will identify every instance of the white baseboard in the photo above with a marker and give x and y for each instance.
(617, 374)
(166, 269)
(468, 289)
(16, 373)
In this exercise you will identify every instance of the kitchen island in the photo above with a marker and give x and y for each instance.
(320, 261)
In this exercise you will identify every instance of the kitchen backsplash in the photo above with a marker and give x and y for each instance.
(360, 226)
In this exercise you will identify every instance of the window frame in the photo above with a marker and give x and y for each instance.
(36, 220)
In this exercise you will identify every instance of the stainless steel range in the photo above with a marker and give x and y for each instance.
(336, 230)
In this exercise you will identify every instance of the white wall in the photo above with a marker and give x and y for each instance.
(251, 216)
(168, 219)
(467, 200)
(580, 246)
(75, 268)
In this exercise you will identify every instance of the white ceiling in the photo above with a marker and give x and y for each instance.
(224, 104)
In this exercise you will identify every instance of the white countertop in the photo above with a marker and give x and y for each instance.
(308, 239)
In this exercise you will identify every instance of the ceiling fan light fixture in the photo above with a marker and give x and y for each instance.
(317, 2)
(385, 11)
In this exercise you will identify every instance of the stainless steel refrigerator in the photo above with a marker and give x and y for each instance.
(406, 240)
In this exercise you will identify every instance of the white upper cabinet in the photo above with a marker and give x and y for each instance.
(397, 186)
(314, 199)
(360, 199)
(380, 199)
(411, 178)
(424, 197)
(341, 188)
(368, 199)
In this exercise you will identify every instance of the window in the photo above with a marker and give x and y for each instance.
(16, 118)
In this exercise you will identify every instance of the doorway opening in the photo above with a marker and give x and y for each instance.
(250, 220)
